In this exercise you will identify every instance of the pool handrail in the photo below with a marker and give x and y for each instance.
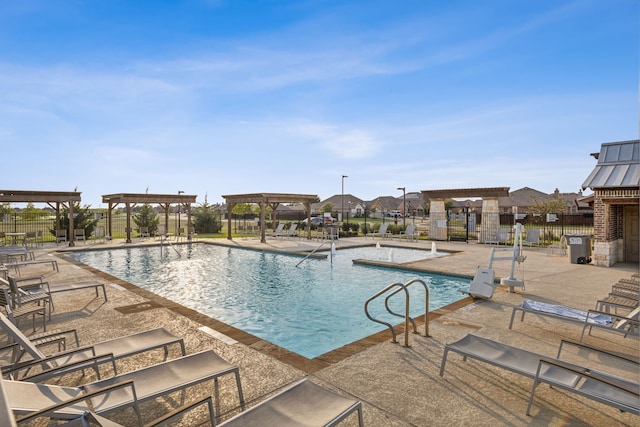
(311, 253)
(401, 287)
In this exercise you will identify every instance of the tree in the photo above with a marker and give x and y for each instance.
(546, 206)
(327, 207)
(207, 219)
(5, 209)
(83, 218)
(147, 217)
(31, 213)
(241, 208)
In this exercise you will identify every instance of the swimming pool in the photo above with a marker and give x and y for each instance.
(309, 309)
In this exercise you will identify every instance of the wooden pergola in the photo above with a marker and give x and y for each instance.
(272, 200)
(130, 200)
(54, 199)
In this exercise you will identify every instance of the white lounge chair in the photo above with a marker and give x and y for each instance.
(609, 389)
(89, 418)
(502, 236)
(80, 358)
(16, 312)
(382, 231)
(291, 232)
(61, 236)
(78, 234)
(301, 404)
(532, 237)
(128, 389)
(409, 233)
(37, 285)
(278, 231)
(626, 325)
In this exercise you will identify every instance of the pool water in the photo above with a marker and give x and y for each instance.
(309, 309)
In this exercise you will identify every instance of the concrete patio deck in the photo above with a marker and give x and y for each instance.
(398, 386)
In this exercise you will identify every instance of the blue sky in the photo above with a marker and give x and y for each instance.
(216, 97)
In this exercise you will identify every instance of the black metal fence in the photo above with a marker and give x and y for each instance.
(15, 226)
(468, 226)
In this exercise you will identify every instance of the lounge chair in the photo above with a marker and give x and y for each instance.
(615, 302)
(131, 388)
(78, 234)
(382, 231)
(100, 234)
(6, 414)
(291, 232)
(482, 285)
(30, 238)
(16, 312)
(609, 389)
(278, 231)
(20, 297)
(532, 237)
(301, 404)
(589, 319)
(502, 236)
(116, 348)
(89, 418)
(144, 232)
(61, 236)
(161, 232)
(408, 233)
(37, 284)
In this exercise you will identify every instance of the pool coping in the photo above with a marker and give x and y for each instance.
(266, 347)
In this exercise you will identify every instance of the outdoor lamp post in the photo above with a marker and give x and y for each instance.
(364, 206)
(179, 210)
(404, 205)
(342, 197)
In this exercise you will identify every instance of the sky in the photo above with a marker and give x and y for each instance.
(217, 97)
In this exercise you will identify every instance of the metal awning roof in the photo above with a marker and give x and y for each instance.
(618, 166)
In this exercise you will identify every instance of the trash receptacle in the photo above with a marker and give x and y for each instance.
(579, 248)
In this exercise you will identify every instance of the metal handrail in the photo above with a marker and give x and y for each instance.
(165, 239)
(310, 253)
(407, 318)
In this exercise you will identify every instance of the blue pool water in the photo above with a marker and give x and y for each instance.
(310, 309)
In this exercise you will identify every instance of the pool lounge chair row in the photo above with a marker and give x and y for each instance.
(29, 399)
(602, 387)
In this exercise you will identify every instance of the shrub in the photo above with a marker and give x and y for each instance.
(82, 218)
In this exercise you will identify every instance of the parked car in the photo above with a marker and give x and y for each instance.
(314, 220)
(394, 214)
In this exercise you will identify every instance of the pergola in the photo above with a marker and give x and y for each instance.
(489, 196)
(164, 200)
(272, 200)
(52, 198)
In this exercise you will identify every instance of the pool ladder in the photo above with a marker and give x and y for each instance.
(392, 290)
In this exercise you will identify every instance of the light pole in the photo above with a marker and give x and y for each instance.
(342, 198)
(364, 206)
(179, 209)
(404, 205)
